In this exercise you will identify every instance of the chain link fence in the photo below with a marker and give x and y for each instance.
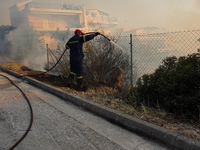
(148, 50)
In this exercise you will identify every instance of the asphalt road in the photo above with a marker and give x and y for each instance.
(57, 124)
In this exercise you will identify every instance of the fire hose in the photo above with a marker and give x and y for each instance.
(99, 34)
(31, 113)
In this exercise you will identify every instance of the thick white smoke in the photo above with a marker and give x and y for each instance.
(27, 48)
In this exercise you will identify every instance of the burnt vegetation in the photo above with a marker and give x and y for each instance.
(105, 63)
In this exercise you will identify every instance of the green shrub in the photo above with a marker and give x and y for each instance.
(175, 86)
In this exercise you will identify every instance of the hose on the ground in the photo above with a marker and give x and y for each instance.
(31, 113)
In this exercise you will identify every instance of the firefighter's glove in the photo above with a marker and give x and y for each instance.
(97, 33)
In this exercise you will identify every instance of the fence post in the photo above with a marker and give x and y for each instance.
(47, 55)
(131, 48)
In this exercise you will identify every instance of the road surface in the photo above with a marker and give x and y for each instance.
(57, 124)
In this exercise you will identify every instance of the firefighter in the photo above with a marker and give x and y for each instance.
(75, 44)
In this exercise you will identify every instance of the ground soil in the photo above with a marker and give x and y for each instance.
(114, 98)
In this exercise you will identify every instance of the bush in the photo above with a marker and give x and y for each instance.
(174, 86)
(104, 62)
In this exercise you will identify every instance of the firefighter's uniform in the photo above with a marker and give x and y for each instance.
(75, 44)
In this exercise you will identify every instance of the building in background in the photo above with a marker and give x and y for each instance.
(47, 18)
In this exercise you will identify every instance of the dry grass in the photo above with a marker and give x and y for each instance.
(106, 97)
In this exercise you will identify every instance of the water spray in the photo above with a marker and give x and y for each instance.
(111, 42)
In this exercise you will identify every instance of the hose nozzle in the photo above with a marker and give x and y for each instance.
(105, 37)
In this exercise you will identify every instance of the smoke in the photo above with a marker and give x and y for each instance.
(184, 17)
(196, 4)
(25, 47)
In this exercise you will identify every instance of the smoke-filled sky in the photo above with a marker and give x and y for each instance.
(168, 15)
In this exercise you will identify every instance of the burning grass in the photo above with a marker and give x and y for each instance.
(113, 98)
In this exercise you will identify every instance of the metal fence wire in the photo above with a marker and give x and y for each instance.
(148, 50)
(151, 49)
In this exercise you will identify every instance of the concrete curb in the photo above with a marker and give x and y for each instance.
(154, 132)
